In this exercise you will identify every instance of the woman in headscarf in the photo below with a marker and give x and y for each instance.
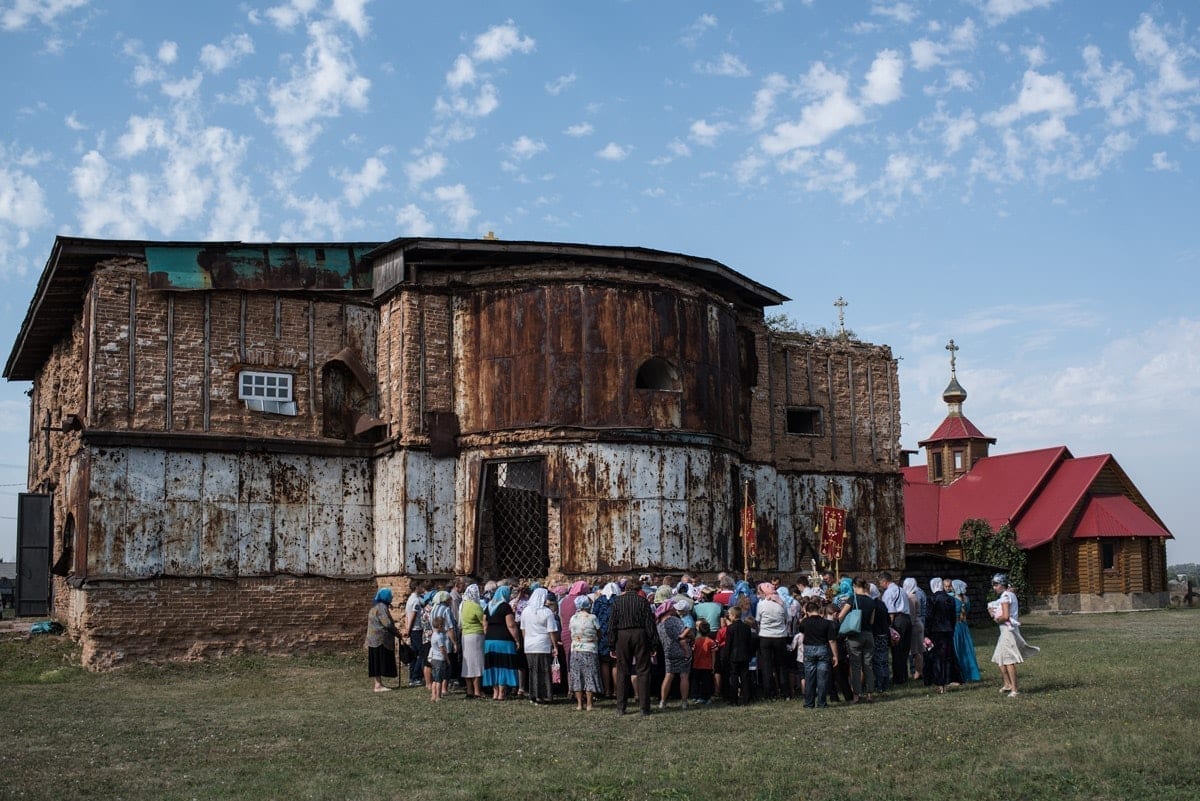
(964, 644)
(773, 674)
(941, 667)
(676, 639)
(471, 619)
(743, 590)
(566, 610)
(500, 659)
(538, 625)
(602, 609)
(381, 633)
(584, 667)
(1011, 648)
(918, 603)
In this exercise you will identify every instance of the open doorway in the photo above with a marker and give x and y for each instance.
(513, 520)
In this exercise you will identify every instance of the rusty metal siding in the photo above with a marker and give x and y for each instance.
(568, 355)
(414, 514)
(154, 512)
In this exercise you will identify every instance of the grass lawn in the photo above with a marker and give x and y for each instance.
(1108, 711)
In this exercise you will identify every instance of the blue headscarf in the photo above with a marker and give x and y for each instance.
(500, 596)
(383, 596)
(845, 589)
(743, 588)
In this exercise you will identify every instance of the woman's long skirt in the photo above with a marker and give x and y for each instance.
(500, 663)
(964, 651)
(472, 656)
(381, 663)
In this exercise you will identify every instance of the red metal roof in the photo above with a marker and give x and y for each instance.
(1035, 491)
(956, 426)
(1116, 516)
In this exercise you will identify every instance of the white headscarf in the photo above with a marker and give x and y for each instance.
(910, 585)
(935, 585)
(537, 599)
(471, 593)
(610, 589)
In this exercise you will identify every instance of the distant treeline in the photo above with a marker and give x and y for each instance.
(1191, 569)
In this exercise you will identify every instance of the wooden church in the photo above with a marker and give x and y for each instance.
(1093, 541)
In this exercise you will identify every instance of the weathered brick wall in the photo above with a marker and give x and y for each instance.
(188, 348)
(164, 620)
(856, 389)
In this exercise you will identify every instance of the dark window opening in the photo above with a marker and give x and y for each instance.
(1108, 555)
(937, 465)
(804, 420)
(514, 520)
(657, 374)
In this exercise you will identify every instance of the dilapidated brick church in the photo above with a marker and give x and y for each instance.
(233, 445)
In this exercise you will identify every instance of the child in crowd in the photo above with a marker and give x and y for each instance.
(439, 659)
(703, 654)
(797, 645)
(739, 639)
(820, 653)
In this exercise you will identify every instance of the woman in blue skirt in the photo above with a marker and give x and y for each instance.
(964, 644)
(500, 658)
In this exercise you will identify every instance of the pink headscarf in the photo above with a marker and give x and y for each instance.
(768, 592)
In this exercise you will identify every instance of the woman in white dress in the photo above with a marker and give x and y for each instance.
(1011, 648)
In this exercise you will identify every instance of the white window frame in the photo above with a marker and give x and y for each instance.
(267, 391)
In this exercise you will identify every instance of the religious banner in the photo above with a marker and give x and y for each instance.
(833, 531)
(749, 530)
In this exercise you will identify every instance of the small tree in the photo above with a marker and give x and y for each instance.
(999, 548)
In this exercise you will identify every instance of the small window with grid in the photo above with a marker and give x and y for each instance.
(267, 392)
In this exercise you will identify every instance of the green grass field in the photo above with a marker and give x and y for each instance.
(1109, 710)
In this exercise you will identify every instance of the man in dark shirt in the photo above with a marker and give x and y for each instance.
(631, 636)
(739, 644)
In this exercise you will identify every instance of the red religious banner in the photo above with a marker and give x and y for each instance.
(749, 530)
(833, 531)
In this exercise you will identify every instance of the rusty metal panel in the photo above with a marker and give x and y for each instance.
(357, 540)
(784, 532)
(387, 522)
(676, 550)
(441, 511)
(106, 512)
(219, 547)
(143, 524)
(255, 481)
(645, 518)
(290, 481)
(256, 532)
(180, 526)
(417, 491)
(324, 539)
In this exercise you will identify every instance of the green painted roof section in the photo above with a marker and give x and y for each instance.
(268, 267)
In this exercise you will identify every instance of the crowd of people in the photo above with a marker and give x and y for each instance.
(845, 640)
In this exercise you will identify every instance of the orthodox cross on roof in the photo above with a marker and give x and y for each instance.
(953, 350)
(841, 307)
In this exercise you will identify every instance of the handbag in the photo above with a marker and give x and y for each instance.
(852, 622)
(555, 671)
(406, 653)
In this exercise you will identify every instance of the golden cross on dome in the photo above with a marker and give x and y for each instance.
(953, 350)
(841, 307)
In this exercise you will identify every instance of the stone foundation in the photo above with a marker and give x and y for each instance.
(1109, 602)
(170, 620)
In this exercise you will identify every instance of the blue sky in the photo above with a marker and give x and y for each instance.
(1019, 175)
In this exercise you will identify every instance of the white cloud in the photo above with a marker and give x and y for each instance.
(748, 168)
(456, 204)
(317, 89)
(285, 17)
(883, 79)
(411, 221)
(357, 186)
(1036, 56)
(957, 130)
(1160, 163)
(727, 65)
(21, 12)
(22, 200)
(353, 13)
(524, 148)
(705, 134)
(679, 148)
(73, 123)
(231, 50)
(1048, 132)
(693, 33)
(1111, 87)
(320, 218)
(1161, 101)
(927, 54)
(462, 73)
(168, 51)
(579, 129)
(764, 100)
(900, 12)
(560, 84)
(425, 168)
(483, 104)
(998, 11)
(818, 121)
(501, 41)
(613, 152)
(1040, 94)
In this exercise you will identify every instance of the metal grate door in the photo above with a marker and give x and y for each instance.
(514, 542)
(33, 553)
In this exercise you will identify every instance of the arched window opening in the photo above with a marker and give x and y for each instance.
(656, 373)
